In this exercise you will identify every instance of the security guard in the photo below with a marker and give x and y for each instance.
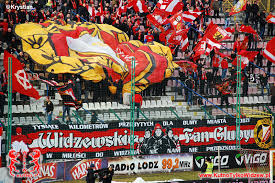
(209, 166)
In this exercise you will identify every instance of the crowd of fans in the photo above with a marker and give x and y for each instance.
(203, 80)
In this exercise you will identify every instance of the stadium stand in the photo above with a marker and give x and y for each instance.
(171, 103)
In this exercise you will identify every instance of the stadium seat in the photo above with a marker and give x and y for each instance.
(231, 100)
(112, 116)
(29, 119)
(255, 100)
(108, 105)
(88, 117)
(169, 114)
(16, 120)
(100, 117)
(33, 108)
(159, 103)
(157, 113)
(128, 115)
(57, 96)
(250, 100)
(123, 115)
(27, 109)
(14, 109)
(122, 106)
(218, 101)
(169, 103)
(91, 106)
(164, 103)
(245, 100)
(266, 99)
(261, 99)
(147, 114)
(153, 104)
(97, 106)
(22, 120)
(20, 109)
(40, 108)
(114, 105)
(102, 105)
(106, 117)
(214, 20)
(152, 114)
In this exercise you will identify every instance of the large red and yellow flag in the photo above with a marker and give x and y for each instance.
(96, 52)
(238, 7)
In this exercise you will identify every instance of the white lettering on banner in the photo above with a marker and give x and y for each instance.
(258, 158)
(190, 122)
(57, 140)
(222, 148)
(219, 134)
(137, 124)
(73, 155)
(152, 163)
(194, 149)
(79, 170)
(122, 153)
(43, 127)
(224, 161)
(216, 121)
(167, 123)
(49, 155)
(90, 126)
(47, 171)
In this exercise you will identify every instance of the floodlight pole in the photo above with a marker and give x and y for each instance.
(238, 103)
(132, 102)
(8, 144)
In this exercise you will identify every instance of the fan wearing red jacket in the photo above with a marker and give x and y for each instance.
(224, 65)
(138, 102)
(149, 37)
(202, 81)
(215, 64)
(237, 45)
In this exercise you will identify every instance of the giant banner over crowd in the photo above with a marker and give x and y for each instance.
(151, 137)
(96, 52)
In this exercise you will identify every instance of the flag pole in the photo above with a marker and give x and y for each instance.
(238, 103)
(8, 146)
